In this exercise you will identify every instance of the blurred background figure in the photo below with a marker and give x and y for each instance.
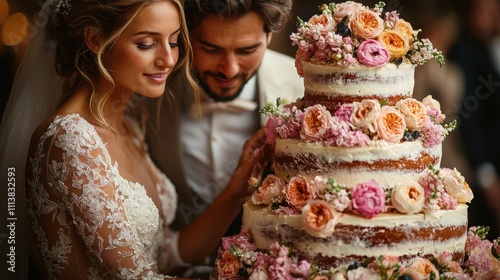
(477, 51)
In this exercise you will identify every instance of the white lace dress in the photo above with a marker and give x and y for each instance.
(89, 221)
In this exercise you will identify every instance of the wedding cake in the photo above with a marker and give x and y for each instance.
(357, 191)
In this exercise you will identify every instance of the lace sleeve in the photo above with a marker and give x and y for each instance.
(79, 209)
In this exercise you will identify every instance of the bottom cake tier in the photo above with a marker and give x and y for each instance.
(356, 239)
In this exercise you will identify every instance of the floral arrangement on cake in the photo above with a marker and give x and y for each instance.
(239, 259)
(321, 201)
(348, 33)
(359, 123)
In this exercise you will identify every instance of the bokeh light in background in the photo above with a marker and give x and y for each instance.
(4, 10)
(15, 29)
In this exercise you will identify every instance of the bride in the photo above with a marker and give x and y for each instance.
(98, 207)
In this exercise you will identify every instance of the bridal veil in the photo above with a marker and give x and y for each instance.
(36, 93)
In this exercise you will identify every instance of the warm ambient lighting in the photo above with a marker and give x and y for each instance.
(4, 10)
(15, 29)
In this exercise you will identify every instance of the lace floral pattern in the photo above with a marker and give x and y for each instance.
(88, 218)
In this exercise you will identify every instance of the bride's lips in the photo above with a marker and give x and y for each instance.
(157, 77)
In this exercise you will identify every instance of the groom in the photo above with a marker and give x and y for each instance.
(198, 148)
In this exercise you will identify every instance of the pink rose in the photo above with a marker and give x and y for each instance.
(366, 24)
(346, 8)
(271, 187)
(270, 129)
(408, 197)
(444, 259)
(371, 53)
(391, 124)
(299, 191)
(317, 120)
(319, 218)
(365, 114)
(414, 113)
(421, 269)
(228, 265)
(455, 185)
(368, 199)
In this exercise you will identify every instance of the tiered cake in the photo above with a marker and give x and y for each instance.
(357, 186)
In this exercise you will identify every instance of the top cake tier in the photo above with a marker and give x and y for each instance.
(333, 86)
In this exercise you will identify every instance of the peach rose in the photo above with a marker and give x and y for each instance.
(320, 277)
(346, 9)
(366, 24)
(337, 276)
(455, 185)
(325, 20)
(433, 108)
(301, 56)
(319, 218)
(395, 42)
(421, 269)
(391, 124)
(408, 197)
(365, 114)
(259, 273)
(405, 28)
(317, 120)
(271, 187)
(430, 102)
(362, 273)
(228, 265)
(298, 192)
(414, 113)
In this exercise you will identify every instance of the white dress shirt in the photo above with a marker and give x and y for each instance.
(212, 144)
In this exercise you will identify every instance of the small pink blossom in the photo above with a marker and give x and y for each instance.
(344, 113)
(431, 134)
(368, 199)
(371, 53)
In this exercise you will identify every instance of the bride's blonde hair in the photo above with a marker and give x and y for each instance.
(79, 65)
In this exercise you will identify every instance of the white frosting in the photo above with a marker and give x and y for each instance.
(377, 151)
(258, 218)
(386, 81)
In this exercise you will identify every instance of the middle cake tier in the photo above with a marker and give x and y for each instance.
(387, 164)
